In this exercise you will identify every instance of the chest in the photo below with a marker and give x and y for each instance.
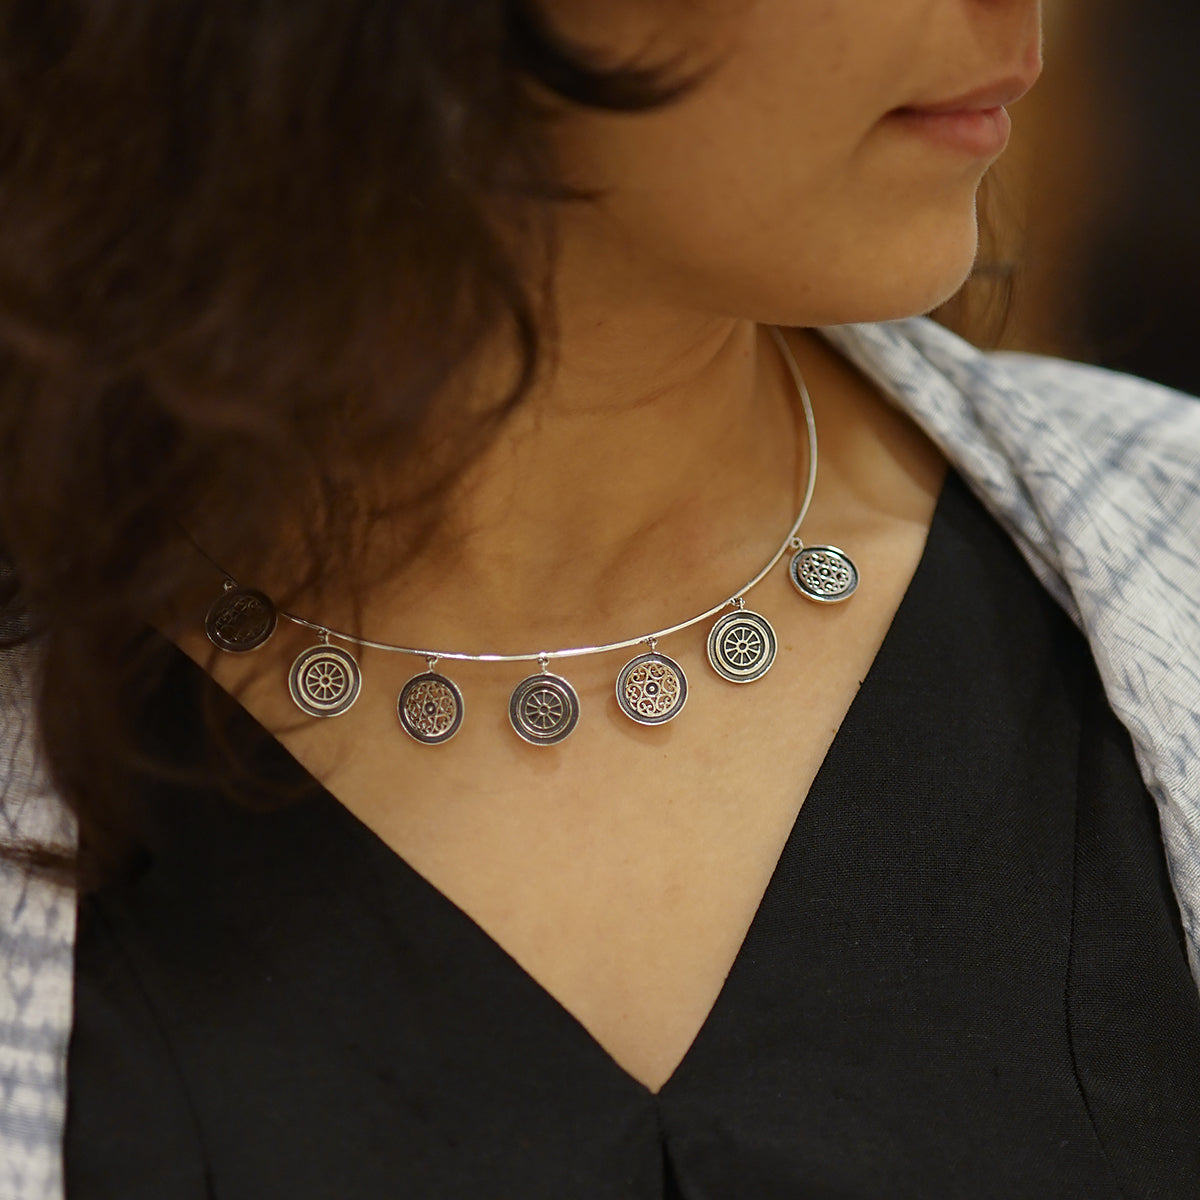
(622, 869)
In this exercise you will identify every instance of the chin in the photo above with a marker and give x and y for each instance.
(897, 273)
(918, 293)
(932, 263)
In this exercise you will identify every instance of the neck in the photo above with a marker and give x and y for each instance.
(652, 467)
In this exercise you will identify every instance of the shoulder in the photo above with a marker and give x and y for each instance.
(1096, 476)
(1051, 445)
(1114, 414)
(1104, 408)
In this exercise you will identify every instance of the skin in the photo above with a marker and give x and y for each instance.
(653, 470)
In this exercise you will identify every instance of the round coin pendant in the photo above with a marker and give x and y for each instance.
(430, 708)
(543, 709)
(824, 574)
(651, 689)
(741, 646)
(324, 681)
(240, 619)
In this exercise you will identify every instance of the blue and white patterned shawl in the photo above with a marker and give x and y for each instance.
(1097, 478)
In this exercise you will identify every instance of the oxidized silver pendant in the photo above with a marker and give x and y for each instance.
(651, 689)
(240, 619)
(543, 709)
(824, 574)
(741, 646)
(324, 680)
(430, 708)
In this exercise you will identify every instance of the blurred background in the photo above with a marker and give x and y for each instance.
(1092, 245)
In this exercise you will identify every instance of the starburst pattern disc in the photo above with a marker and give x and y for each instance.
(741, 646)
(324, 681)
(651, 689)
(543, 709)
(240, 619)
(430, 708)
(823, 573)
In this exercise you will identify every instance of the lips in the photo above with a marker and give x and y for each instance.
(974, 122)
(979, 133)
(992, 95)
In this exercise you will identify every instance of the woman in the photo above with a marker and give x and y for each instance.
(892, 917)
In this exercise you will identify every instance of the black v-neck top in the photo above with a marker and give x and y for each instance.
(966, 978)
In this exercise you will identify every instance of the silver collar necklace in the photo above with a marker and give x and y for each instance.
(325, 679)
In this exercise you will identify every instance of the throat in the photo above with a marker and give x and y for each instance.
(577, 528)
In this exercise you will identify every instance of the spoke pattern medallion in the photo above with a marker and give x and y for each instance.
(324, 681)
(651, 689)
(240, 619)
(741, 646)
(824, 573)
(430, 708)
(543, 709)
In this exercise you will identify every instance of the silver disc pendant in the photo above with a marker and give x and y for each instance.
(824, 574)
(651, 689)
(324, 681)
(543, 709)
(430, 708)
(240, 619)
(741, 646)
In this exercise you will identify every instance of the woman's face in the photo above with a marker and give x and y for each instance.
(825, 172)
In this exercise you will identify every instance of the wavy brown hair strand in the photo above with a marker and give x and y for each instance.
(245, 245)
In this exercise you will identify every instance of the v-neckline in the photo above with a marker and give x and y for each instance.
(384, 861)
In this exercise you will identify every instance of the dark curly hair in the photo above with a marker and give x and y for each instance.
(243, 246)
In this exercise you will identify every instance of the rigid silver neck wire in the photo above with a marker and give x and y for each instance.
(791, 542)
